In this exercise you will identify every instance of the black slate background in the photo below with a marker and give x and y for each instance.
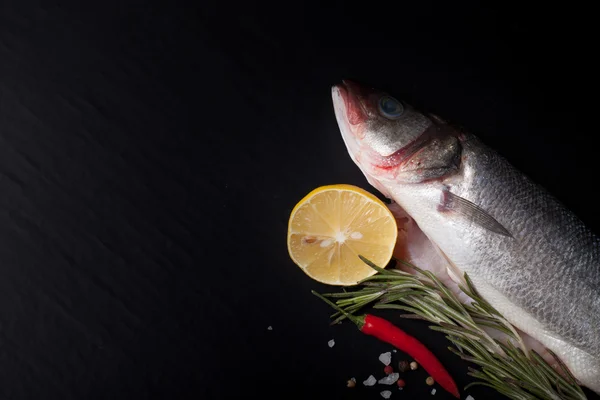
(150, 155)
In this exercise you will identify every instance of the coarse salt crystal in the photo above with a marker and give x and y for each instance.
(370, 381)
(331, 343)
(386, 358)
(469, 397)
(395, 351)
(433, 391)
(270, 328)
(389, 379)
(386, 394)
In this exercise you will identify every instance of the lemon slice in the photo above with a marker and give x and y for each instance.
(332, 225)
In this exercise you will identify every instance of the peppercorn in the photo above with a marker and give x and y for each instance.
(403, 366)
(429, 381)
(414, 365)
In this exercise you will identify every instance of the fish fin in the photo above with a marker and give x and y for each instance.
(452, 202)
(455, 274)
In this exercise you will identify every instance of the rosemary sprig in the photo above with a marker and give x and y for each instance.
(508, 367)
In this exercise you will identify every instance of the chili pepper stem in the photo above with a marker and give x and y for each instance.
(358, 321)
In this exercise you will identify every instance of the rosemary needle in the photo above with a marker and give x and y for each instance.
(509, 368)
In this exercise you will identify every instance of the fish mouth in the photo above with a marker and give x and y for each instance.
(353, 95)
(341, 104)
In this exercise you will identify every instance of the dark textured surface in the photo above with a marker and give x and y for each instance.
(150, 155)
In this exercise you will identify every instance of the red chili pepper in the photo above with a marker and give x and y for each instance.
(389, 333)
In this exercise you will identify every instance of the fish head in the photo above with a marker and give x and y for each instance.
(382, 134)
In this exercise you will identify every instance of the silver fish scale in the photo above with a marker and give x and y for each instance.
(552, 251)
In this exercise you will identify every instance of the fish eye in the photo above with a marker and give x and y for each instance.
(390, 108)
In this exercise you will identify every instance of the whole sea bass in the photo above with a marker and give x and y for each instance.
(527, 255)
